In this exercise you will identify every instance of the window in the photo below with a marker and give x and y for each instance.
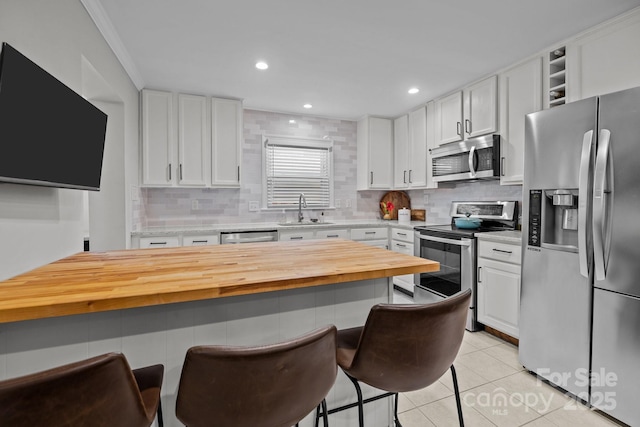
(296, 165)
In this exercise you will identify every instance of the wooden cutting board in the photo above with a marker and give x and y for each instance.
(400, 200)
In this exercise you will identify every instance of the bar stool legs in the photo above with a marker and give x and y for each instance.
(395, 413)
(321, 410)
(360, 403)
(160, 420)
(457, 393)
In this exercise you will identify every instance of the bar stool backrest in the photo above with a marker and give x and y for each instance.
(408, 347)
(268, 386)
(97, 392)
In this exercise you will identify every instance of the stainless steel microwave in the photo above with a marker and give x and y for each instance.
(476, 158)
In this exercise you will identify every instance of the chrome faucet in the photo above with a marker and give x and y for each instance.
(302, 202)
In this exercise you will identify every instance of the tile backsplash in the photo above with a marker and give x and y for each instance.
(174, 206)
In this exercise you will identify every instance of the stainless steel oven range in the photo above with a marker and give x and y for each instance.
(455, 249)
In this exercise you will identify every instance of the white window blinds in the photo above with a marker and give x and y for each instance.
(294, 166)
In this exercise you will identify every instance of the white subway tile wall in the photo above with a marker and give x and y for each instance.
(174, 206)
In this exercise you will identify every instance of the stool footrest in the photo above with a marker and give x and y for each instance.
(355, 404)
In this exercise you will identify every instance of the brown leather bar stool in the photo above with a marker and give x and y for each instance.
(404, 348)
(275, 385)
(101, 391)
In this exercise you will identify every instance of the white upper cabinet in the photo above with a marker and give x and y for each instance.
(520, 94)
(431, 142)
(189, 147)
(226, 134)
(470, 112)
(157, 138)
(192, 140)
(375, 153)
(410, 150)
(606, 59)
(418, 148)
(401, 152)
(481, 108)
(449, 118)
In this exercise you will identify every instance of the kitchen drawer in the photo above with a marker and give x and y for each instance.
(332, 234)
(297, 235)
(382, 243)
(500, 251)
(402, 247)
(369, 233)
(159, 242)
(203, 240)
(402, 234)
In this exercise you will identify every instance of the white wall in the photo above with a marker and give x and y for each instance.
(39, 225)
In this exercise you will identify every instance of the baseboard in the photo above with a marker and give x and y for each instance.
(502, 335)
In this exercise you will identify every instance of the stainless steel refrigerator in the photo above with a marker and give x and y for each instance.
(580, 297)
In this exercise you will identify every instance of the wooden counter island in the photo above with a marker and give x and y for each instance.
(153, 304)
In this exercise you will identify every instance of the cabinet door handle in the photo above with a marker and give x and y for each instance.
(404, 174)
(169, 171)
(401, 245)
(502, 251)
(238, 173)
(371, 178)
(369, 232)
(295, 238)
(332, 235)
(180, 171)
(200, 241)
(479, 276)
(459, 128)
(502, 166)
(467, 126)
(157, 243)
(410, 181)
(401, 234)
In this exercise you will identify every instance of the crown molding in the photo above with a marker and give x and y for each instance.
(106, 28)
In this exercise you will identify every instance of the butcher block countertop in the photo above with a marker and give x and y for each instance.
(90, 282)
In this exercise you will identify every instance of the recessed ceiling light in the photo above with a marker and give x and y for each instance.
(262, 65)
(307, 106)
(292, 121)
(414, 90)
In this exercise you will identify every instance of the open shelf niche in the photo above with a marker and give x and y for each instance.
(557, 77)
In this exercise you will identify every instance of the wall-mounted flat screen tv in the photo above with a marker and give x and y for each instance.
(49, 135)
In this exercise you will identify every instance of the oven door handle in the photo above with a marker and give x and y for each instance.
(463, 242)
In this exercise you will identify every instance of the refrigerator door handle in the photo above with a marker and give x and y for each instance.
(472, 170)
(599, 202)
(586, 166)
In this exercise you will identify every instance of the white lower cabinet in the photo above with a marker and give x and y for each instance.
(382, 244)
(201, 240)
(296, 235)
(374, 233)
(175, 240)
(499, 286)
(159, 242)
(374, 236)
(331, 233)
(402, 241)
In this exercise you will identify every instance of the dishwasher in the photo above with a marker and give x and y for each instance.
(234, 237)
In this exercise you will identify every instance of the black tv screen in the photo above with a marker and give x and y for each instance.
(49, 135)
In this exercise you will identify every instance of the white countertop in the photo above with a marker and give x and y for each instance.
(514, 236)
(263, 226)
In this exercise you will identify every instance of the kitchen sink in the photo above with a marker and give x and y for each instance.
(292, 224)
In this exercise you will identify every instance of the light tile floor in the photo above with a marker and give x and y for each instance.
(495, 391)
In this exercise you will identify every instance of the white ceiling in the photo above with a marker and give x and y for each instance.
(346, 57)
